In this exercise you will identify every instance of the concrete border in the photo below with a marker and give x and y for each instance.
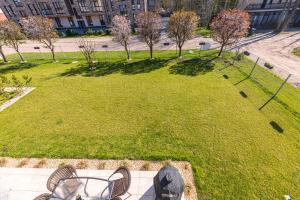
(25, 91)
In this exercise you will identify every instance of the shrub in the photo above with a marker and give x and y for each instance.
(82, 164)
(167, 163)
(268, 65)
(40, 164)
(3, 162)
(247, 53)
(107, 32)
(125, 163)
(101, 165)
(187, 189)
(89, 32)
(70, 33)
(239, 57)
(62, 164)
(145, 166)
(22, 163)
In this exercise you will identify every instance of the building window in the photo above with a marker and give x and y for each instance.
(89, 20)
(71, 21)
(101, 19)
(58, 22)
(58, 8)
(23, 13)
(138, 2)
(30, 9)
(11, 11)
(96, 5)
(45, 8)
(18, 3)
(82, 5)
(122, 9)
(36, 9)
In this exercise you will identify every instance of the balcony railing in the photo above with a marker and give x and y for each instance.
(267, 6)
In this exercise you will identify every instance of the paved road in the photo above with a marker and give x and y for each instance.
(277, 50)
(71, 45)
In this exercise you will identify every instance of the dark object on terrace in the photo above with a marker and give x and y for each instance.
(168, 184)
(166, 43)
(121, 185)
(202, 43)
(247, 53)
(44, 196)
(64, 172)
(36, 47)
(105, 46)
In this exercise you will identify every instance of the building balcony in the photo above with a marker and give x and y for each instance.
(267, 7)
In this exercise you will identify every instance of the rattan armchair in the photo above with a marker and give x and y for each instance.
(44, 196)
(121, 185)
(64, 172)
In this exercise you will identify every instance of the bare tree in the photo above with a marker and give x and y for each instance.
(181, 27)
(41, 29)
(87, 49)
(2, 41)
(14, 36)
(149, 24)
(288, 17)
(121, 32)
(229, 26)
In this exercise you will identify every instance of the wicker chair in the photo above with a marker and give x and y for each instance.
(120, 186)
(44, 196)
(66, 171)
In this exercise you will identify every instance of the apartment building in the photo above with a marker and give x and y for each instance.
(78, 15)
(267, 13)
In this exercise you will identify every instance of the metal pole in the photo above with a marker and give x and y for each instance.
(274, 95)
(253, 67)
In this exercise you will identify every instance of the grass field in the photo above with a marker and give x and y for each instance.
(296, 51)
(162, 109)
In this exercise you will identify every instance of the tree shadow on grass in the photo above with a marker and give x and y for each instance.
(144, 66)
(16, 67)
(193, 67)
(107, 68)
(99, 69)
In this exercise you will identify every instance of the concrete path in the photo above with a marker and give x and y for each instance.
(27, 183)
(71, 45)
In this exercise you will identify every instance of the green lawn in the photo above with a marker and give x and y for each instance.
(203, 31)
(296, 51)
(162, 109)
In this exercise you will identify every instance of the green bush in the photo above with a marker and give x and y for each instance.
(89, 31)
(70, 33)
(268, 65)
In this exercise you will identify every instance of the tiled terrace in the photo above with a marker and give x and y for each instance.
(27, 183)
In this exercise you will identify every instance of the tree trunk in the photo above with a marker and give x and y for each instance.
(20, 55)
(179, 48)
(2, 54)
(290, 16)
(127, 51)
(53, 55)
(221, 50)
(151, 51)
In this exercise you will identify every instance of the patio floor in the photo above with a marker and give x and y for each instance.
(27, 183)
